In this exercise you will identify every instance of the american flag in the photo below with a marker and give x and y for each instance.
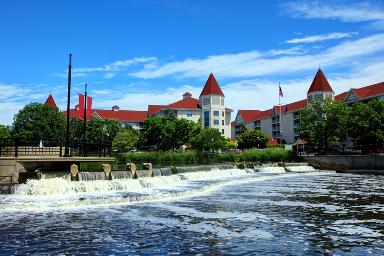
(280, 91)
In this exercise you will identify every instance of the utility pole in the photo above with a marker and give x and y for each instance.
(85, 121)
(67, 152)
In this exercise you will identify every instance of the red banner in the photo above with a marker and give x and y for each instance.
(80, 112)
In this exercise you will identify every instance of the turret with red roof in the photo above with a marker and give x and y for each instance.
(320, 88)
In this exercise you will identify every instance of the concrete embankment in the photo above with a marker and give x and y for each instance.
(363, 164)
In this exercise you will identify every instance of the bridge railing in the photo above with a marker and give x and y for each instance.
(55, 147)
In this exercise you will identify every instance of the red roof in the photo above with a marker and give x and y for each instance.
(254, 115)
(211, 87)
(294, 106)
(121, 115)
(341, 96)
(188, 103)
(153, 109)
(248, 115)
(369, 91)
(320, 83)
(50, 101)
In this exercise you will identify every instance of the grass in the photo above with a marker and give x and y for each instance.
(192, 157)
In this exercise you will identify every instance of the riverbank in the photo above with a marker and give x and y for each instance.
(195, 158)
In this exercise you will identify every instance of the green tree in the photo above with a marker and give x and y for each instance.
(208, 139)
(5, 135)
(366, 124)
(323, 122)
(102, 130)
(38, 121)
(125, 140)
(252, 139)
(166, 133)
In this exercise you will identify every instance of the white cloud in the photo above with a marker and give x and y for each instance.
(110, 68)
(11, 91)
(109, 75)
(296, 50)
(254, 64)
(319, 38)
(347, 12)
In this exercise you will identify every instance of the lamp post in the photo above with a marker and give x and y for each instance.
(85, 120)
(258, 142)
(67, 152)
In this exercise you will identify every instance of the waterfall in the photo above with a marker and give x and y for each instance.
(88, 176)
(116, 175)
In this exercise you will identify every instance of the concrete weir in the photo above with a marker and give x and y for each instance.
(24, 167)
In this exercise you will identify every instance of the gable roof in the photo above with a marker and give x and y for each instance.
(188, 103)
(211, 87)
(320, 83)
(369, 91)
(121, 115)
(50, 101)
(248, 115)
(153, 109)
(341, 96)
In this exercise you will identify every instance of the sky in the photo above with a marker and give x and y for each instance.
(133, 53)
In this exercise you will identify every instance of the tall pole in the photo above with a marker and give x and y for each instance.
(280, 124)
(85, 120)
(67, 152)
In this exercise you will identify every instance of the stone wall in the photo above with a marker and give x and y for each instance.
(10, 167)
(343, 163)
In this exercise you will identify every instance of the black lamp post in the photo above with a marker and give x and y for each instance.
(67, 152)
(85, 121)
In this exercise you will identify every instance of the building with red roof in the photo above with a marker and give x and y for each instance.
(209, 110)
(51, 101)
(133, 118)
(282, 121)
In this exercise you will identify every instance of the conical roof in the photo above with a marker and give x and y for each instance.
(320, 83)
(50, 101)
(211, 87)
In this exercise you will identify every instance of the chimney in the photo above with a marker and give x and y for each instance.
(115, 108)
(187, 95)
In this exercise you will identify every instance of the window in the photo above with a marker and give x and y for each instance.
(215, 101)
(222, 113)
(222, 122)
(189, 113)
(216, 122)
(216, 113)
(206, 118)
(222, 131)
(206, 101)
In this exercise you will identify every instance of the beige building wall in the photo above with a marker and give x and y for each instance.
(287, 128)
(219, 118)
(266, 126)
(192, 115)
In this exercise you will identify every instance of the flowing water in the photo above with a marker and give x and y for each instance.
(266, 210)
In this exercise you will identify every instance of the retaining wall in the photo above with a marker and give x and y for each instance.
(350, 162)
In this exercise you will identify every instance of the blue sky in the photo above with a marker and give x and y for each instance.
(138, 52)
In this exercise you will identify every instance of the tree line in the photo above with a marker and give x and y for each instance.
(326, 123)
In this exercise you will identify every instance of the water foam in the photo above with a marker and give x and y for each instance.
(59, 193)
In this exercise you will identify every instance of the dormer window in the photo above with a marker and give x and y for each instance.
(115, 108)
(187, 95)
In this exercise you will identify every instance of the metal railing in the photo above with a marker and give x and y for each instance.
(54, 147)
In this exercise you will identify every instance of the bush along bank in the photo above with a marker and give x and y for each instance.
(193, 157)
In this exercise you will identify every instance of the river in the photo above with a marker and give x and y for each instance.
(217, 212)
